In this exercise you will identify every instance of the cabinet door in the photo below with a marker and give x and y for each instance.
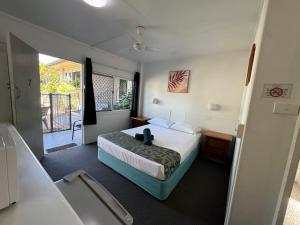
(4, 196)
(25, 91)
(5, 99)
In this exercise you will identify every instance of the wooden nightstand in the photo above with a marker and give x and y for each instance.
(138, 121)
(217, 146)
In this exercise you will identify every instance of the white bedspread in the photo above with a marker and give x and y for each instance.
(180, 142)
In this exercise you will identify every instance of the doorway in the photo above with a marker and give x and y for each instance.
(61, 103)
(292, 216)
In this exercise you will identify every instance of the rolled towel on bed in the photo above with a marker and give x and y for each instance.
(147, 137)
(140, 137)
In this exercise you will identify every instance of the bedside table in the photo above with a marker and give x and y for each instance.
(139, 121)
(217, 146)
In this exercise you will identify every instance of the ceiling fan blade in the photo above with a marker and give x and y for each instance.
(106, 40)
(132, 36)
(150, 49)
(130, 49)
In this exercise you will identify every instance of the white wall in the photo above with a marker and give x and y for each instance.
(108, 121)
(257, 36)
(267, 139)
(215, 79)
(5, 109)
(54, 44)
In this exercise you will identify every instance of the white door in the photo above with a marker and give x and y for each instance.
(25, 92)
(232, 179)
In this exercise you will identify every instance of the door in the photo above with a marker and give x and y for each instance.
(232, 179)
(25, 92)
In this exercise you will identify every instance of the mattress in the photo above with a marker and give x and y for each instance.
(180, 142)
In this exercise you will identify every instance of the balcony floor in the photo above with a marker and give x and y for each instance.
(61, 138)
(292, 216)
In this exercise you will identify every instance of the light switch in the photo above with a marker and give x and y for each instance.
(285, 108)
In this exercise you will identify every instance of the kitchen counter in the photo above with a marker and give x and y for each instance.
(41, 202)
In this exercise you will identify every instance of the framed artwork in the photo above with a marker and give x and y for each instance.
(179, 81)
(250, 65)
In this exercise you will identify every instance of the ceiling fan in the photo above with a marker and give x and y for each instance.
(139, 44)
(138, 38)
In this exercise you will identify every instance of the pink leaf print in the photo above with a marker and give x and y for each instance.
(176, 78)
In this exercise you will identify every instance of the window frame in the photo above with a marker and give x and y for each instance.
(113, 92)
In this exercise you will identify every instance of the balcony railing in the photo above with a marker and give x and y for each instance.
(56, 112)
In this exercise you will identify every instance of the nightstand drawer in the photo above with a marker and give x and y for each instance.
(216, 143)
(138, 121)
(217, 146)
(216, 153)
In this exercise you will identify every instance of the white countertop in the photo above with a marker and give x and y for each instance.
(41, 203)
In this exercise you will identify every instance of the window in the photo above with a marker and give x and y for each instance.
(76, 79)
(68, 76)
(122, 93)
(112, 93)
(103, 91)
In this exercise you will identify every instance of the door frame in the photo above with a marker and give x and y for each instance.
(11, 80)
(82, 86)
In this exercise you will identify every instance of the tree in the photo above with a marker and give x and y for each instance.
(125, 101)
(52, 83)
(49, 79)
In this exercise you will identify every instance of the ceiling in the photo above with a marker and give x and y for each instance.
(174, 28)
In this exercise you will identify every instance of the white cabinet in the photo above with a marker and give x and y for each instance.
(8, 168)
(4, 195)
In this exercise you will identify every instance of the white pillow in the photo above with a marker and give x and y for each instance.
(161, 122)
(186, 128)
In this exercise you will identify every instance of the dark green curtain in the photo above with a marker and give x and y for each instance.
(89, 112)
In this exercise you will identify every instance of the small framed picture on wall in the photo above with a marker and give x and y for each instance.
(250, 64)
(179, 81)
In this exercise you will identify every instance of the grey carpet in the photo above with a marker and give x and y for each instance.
(198, 199)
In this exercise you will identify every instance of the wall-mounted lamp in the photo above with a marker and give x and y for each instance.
(213, 107)
(155, 101)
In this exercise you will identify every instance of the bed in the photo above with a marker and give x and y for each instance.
(146, 173)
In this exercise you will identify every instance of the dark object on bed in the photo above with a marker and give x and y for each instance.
(140, 137)
(147, 136)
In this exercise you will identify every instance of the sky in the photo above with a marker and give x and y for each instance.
(45, 59)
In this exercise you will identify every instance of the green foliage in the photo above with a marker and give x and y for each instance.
(51, 82)
(76, 83)
(65, 87)
(125, 101)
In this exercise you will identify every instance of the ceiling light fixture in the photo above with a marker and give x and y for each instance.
(96, 3)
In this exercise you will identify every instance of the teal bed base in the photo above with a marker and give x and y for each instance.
(158, 188)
